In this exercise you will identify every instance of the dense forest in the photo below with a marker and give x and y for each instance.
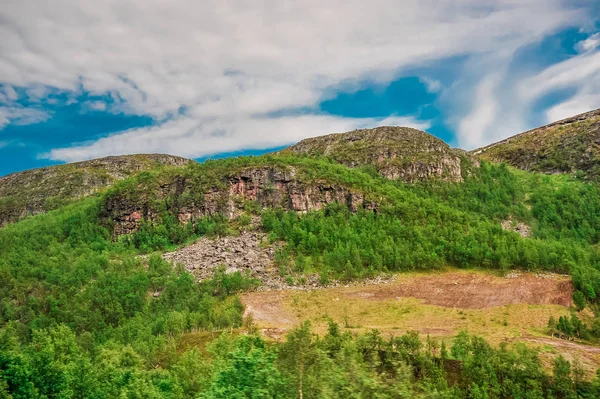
(84, 314)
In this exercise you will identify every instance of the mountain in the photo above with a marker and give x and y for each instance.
(142, 290)
(571, 145)
(38, 190)
(290, 181)
(397, 153)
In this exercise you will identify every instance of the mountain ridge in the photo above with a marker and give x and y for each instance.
(395, 153)
(35, 191)
(570, 145)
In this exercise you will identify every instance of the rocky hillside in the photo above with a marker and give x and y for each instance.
(398, 153)
(39, 190)
(205, 190)
(570, 145)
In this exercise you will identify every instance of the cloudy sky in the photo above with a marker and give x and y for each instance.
(208, 78)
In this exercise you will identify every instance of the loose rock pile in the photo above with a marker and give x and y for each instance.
(249, 253)
(243, 253)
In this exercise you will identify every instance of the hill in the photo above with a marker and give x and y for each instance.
(398, 153)
(91, 305)
(38, 190)
(567, 146)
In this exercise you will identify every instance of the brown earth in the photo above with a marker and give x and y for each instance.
(514, 308)
(463, 290)
(475, 290)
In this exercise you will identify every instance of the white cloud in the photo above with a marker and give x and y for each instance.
(473, 127)
(577, 105)
(572, 72)
(187, 137)
(581, 73)
(21, 115)
(94, 105)
(589, 44)
(506, 109)
(432, 85)
(228, 63)
(10, 93)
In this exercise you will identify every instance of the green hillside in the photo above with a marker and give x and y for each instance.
(83, 315)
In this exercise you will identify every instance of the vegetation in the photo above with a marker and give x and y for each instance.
(405, 153)
(40, 190)
(433, 225)
(84, 317)
(565, 147)
(339, 365)
(572, 327)
(83, 314)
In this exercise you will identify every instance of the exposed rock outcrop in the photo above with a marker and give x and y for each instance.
(398, 153)
(268, 186)
(521, 228)
(38, 190)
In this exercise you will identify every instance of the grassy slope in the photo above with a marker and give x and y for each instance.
(568, 146)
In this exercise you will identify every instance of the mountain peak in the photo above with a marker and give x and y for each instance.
(398, 153)
(565, 146)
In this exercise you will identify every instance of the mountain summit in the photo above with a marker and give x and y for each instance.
(570, 145)
(398, 153)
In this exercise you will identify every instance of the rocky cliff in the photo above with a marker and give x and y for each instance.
(570, 145)
(39, 190)
(398, 153)
(200, 192)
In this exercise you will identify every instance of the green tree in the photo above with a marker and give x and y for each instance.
(249, 372)
(562, 384)
(579, 300)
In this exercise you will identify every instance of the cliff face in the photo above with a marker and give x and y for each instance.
(398, 153)
(228, 195)
(39, 190)
(567, 146)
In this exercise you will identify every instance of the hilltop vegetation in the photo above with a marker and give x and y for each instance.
(566, 146)
(39, 190)
(397, 153)
(83, 316)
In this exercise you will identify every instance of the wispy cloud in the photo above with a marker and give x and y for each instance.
(94, 106)
(503, 99)
(589, 44)
(433, 85)
(581, 73)
(208, 71)
(176, 135)
(21, 115)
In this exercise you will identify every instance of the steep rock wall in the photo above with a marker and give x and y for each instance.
(268, 186)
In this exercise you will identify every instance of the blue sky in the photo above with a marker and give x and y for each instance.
(81, 80)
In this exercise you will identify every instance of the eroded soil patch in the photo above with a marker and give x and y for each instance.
(515, 308)
(474, 290)
(458, 290)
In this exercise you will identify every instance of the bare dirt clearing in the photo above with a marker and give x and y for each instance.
(458, 289)
(474, 290)
(515, 308)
